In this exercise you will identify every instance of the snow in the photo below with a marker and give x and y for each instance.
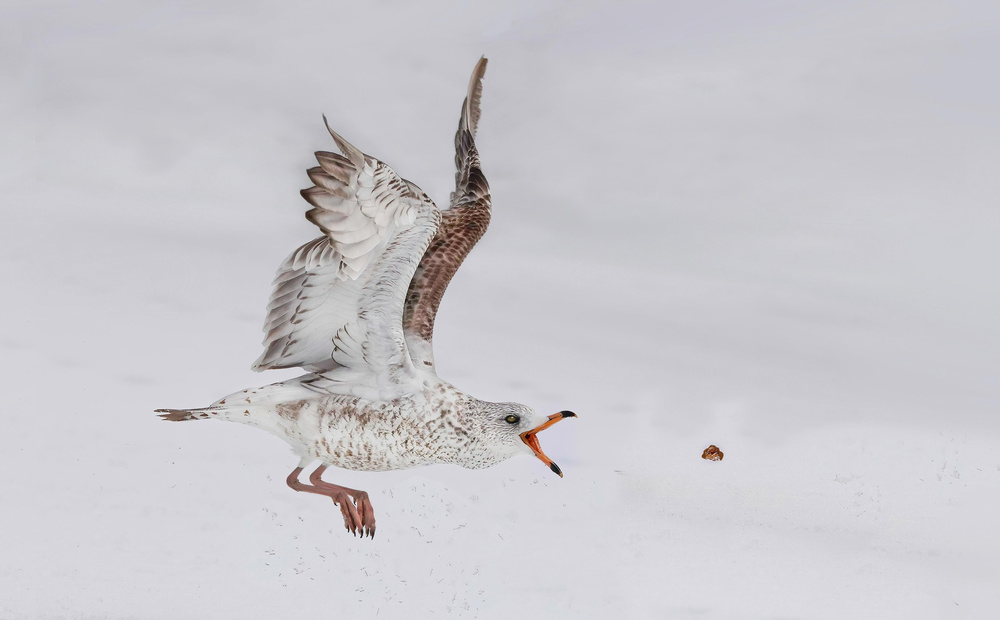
(767, 226)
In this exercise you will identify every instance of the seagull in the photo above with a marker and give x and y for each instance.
(355, 309)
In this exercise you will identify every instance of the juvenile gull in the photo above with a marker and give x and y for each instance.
(355, 308)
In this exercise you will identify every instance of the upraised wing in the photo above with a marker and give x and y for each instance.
(337, 302)
(461, 227)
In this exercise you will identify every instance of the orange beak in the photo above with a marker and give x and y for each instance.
(529, 438)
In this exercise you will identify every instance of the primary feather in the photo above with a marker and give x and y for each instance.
(461, 228)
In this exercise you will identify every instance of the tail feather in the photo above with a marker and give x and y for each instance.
(180, 415)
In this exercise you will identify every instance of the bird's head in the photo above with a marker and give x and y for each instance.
(512, 428)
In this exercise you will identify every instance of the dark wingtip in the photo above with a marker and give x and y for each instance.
(556, 469)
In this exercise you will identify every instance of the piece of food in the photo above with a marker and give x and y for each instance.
(712, 453)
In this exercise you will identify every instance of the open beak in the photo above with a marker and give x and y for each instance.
(531, 440)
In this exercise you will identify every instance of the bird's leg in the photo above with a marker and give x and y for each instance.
(340, 496)
(361, 500)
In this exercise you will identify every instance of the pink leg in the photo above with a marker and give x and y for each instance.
(359, 518)
(361, 501)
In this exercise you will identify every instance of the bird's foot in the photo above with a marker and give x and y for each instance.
(355, 506)
(359, 517)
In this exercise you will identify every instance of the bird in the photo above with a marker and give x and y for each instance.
(355, 309)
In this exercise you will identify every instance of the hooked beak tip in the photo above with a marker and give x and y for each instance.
(567, 414)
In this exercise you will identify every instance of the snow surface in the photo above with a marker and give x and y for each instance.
(771, 226)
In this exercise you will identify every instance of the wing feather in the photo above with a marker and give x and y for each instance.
(336, 304)
(462, 225)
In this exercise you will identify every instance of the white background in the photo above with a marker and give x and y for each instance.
(771, 226)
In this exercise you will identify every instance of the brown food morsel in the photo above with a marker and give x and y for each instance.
(712, 453)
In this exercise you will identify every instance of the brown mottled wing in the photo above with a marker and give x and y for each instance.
(461, 228)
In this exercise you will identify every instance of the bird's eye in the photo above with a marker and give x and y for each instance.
(512, 419)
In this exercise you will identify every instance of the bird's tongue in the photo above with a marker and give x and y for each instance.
(530, 438)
